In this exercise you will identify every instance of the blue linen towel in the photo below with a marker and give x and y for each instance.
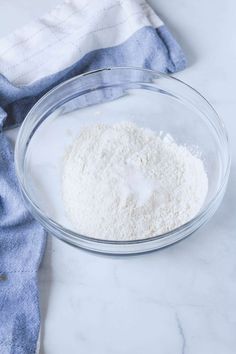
(123, 33)
(22, 242)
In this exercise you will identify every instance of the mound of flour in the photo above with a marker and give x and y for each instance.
(123, 182)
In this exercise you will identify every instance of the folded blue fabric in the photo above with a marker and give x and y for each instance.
(148, 48)
(22, 243)
(22, 240)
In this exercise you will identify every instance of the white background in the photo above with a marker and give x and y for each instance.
(181, 299)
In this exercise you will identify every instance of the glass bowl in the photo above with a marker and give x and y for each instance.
(147, 98)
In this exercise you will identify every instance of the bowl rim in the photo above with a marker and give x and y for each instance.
(200, 215)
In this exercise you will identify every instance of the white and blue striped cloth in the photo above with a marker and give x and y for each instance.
(75, 37)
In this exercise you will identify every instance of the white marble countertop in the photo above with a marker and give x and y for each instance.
(181, 299)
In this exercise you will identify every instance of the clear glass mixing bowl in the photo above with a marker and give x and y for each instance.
(147, 98)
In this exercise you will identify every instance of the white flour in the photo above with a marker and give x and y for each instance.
(123, 182)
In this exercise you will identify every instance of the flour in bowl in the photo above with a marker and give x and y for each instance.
(123, 182)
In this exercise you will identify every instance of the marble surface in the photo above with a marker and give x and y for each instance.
(181, 299)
